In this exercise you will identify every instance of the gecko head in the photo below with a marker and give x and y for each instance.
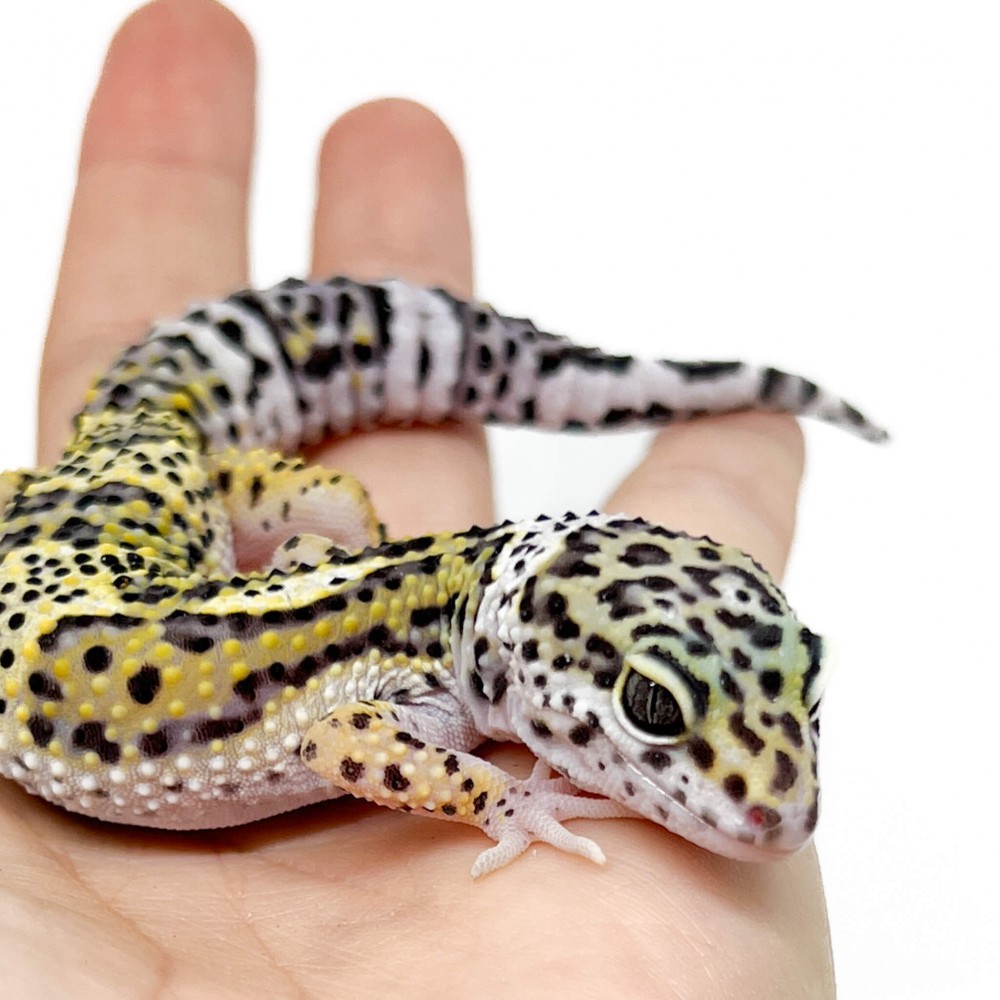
(679, 683)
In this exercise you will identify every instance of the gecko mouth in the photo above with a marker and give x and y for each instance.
(759, 833)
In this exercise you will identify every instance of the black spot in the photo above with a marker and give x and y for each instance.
(90, 736)
(701, 752)
(479, 803)
(771, 682)
(360, 720)
(45, 686)
(766, 636)
(656, 759)
(540, 729)
(703, 371)
(41, 729)
(450, 764)
(422, 617)
(142, 687)
(580, 735)
(739, 729)
(566, 628)
(732, 690)
(791, 729)
(351, 770)
(393, 779)
(786, 773)
(645, 554)
(735, 787)
(772, 382)
(602, 647)
(154, 744)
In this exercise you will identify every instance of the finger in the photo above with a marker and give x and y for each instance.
(733, 478)
(391, 202)
(159, 215)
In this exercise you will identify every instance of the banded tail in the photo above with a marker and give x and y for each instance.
(301, 360)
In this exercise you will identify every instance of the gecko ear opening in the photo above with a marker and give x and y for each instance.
(652, 702)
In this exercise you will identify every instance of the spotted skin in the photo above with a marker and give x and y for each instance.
(197, 631)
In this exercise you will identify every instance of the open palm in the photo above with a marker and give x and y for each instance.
(345, 899)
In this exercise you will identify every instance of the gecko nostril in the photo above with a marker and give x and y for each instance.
(763, 817)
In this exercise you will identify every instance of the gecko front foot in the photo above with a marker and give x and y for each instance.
(386, 753)
(534, 810)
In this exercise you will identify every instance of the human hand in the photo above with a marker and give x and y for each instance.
(345, 898)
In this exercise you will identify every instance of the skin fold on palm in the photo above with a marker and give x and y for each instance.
(345, 896)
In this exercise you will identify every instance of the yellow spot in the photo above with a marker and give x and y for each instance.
(163, 651)
(31, 652)
(239, 670)
(90, 759)
(85, 710)
(61, 668)
(118, 712)
(47, 625)
(25, 738)
(130, 752)
(99, 684)
(298, 643)
(50, 709)
(12, 689)
(217, 746)
(289, 693)
(351, 625)
(231, 647)
(176, 708)
(206, 667)
(376, 611)
(150, 725)
(111, 733)
(269, 640)
(206, 689)
(322, 629)
(139, 508)
(171, 675)
(56, 748)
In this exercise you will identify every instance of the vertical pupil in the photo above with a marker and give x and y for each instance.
(651, 707)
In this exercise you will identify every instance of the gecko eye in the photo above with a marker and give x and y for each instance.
(652, 701)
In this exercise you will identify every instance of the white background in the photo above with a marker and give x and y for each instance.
(810, 185)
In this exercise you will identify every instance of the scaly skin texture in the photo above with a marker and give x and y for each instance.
(348, 896)
(148, 681)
